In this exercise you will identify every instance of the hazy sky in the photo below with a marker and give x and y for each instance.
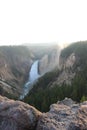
(42, 21)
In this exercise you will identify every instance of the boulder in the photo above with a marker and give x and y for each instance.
(16, 115)
(65, 115)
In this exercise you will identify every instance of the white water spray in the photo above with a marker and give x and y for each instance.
(33, 76)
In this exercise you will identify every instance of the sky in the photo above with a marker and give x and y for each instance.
(42, 21)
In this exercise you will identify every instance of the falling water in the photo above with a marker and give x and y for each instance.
(33, 76)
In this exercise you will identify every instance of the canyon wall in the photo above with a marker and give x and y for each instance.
(15, 63)
(49, 61)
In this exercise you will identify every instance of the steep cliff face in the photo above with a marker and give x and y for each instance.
(69, 62)
(50, 61)
(15, 63)
(66, 66)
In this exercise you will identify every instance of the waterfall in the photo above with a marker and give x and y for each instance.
(33, 76)
(34, 72)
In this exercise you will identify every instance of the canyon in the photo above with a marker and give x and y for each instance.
(16, 65)
(69, 79)
(52, 85)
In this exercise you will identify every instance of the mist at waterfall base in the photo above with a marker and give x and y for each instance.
(33, 76)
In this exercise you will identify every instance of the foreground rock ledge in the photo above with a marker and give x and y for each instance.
(64, 115)
(16, 115)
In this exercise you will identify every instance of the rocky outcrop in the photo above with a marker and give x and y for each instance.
(8, 90)
(16, 115)
(65, 115)
(66, 66)
(49, 61)
(68, 62)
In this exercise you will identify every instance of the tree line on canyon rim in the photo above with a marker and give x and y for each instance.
(42, 95)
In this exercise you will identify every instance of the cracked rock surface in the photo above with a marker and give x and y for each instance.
(64, 115)
(16, 115)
